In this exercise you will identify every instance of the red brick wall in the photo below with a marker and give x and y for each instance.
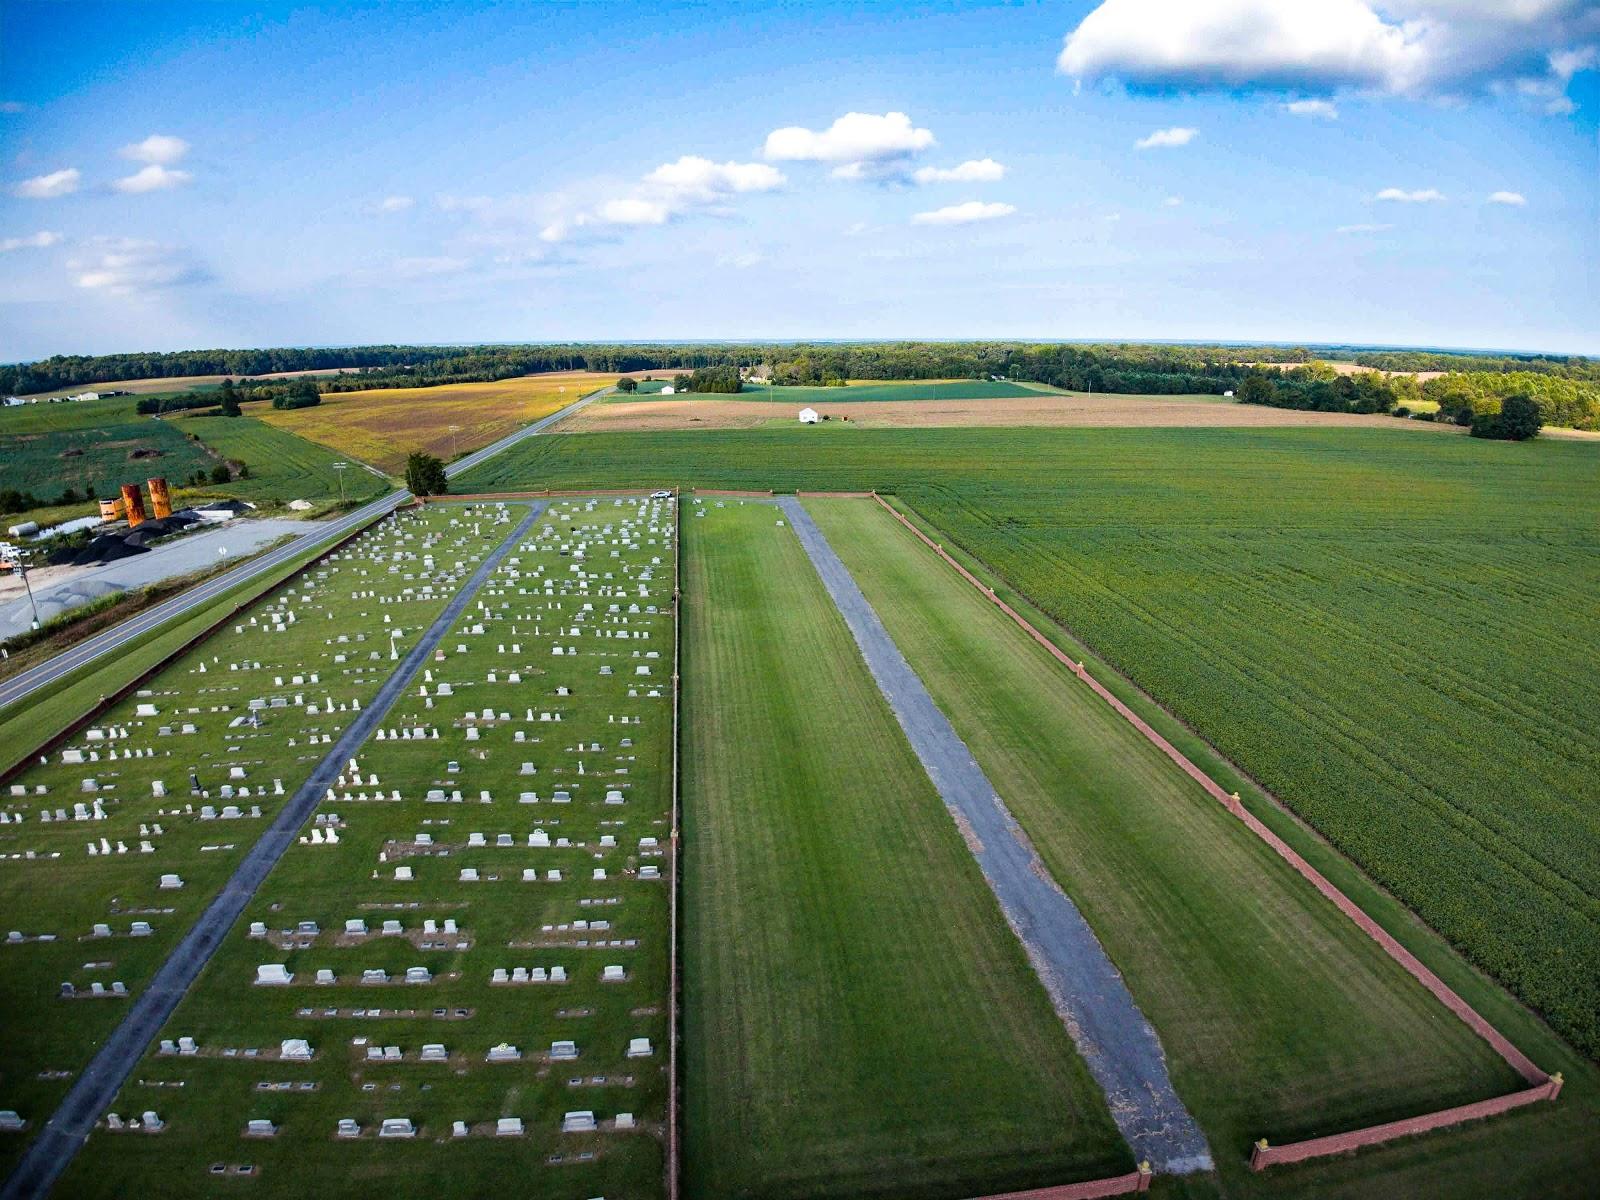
(1264, 1155)
(1120, 1185)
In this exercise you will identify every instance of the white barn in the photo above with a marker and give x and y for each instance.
(668, 390)
(808, 416)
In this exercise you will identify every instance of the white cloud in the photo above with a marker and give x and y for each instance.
(1161, 138)
(33, 241)
(864, 145)
(159, 149)
(634, 210)
(394, 204)
(1364, 228)
(48, 187)
(1516, 199)
(154, 178)
(699, 180)
(974, 170)
(1394, 47)
(669, 191)
(1321, 109)
(1420, 196)
(1173, 201)
(854, 137)
(129, 266)
(964, 214)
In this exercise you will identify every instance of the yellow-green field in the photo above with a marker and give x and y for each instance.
(384, 425)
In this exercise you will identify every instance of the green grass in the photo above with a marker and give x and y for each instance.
(66, 894)
(283, 467)
(859, 1020)
(497, 917)
(1278, 1016)
(62, 702)
(1395, 637)
(1511, 1155)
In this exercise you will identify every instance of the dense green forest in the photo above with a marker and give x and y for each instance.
(1563, 366)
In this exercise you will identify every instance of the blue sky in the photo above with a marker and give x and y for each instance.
(199, 175)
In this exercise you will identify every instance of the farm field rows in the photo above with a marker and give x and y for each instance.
(1032, 407)
(515, 852)
(860, 391)
(858, 1018)
(99, 457)
(1278, 1016)
(383, 425)
(283, 467)
(1333, 610)
(66, 870)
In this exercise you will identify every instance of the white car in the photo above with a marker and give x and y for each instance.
(663, 495)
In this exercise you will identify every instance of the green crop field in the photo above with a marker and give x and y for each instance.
(588, 724)
(1395, 637)
(859, 1020)
(1278, 1016)
(283, 467)
(99, 457)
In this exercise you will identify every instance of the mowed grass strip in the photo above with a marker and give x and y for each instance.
(859, 1020)
(383, 425)
(1279, 1017)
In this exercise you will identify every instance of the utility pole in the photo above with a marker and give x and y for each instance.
(20, 557)
(338, 470)
(455, 451)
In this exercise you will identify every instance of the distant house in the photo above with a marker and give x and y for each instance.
(808, 416)
(669, 390)
(85, 396)
(1227, 395)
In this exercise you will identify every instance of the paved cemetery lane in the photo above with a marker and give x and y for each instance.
(97, 1086)
(1116, 1041)
(26, 682)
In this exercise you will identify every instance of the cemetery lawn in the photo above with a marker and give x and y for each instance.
(382, 425)
(43, 713)
(503, 921)
(1393, 633)
(64, 891)
(859, 1021)
(1278, 1016)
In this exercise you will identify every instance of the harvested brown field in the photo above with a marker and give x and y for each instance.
(1063, 409)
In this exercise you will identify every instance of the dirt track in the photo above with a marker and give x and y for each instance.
(1043, 409)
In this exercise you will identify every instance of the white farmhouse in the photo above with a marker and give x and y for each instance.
(808, 416)
(668, 390)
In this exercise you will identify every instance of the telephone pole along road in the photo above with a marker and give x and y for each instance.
(108, 641)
